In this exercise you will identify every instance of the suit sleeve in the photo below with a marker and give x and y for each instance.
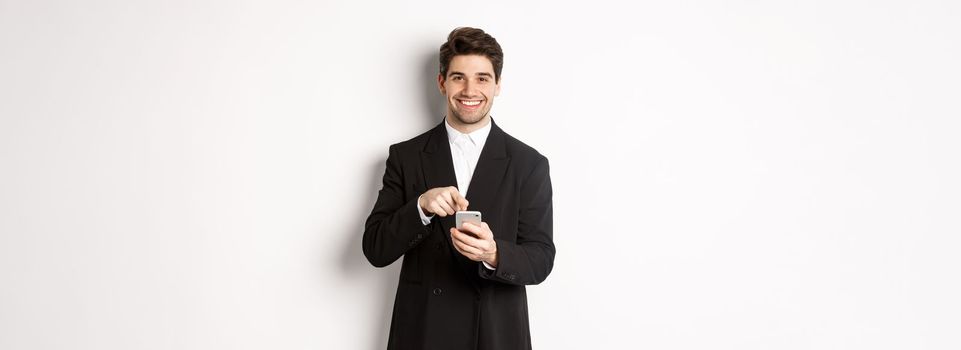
(392, 228)
(530, 259)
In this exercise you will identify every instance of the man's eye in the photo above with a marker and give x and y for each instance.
(457, 78)
(483, 80)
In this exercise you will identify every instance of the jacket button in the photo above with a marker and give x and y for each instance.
(440, 246)
(438, 291)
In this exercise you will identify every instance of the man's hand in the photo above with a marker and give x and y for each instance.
(475, 242)
(442, 201)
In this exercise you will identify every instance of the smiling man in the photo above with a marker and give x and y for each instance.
(463, 288)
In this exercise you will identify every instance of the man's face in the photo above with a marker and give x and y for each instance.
(470, 88)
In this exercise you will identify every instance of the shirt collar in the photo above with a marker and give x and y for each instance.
(478, 137)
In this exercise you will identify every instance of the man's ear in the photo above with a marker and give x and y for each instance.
(497, 89)
(440, 84)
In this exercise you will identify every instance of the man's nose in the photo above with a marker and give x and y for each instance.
(469, 87)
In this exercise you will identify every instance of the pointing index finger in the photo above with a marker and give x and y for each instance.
(460, 200)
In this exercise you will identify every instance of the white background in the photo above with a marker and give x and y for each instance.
(727, 175)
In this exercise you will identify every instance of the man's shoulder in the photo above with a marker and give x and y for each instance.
(522, 151)
(414, 144)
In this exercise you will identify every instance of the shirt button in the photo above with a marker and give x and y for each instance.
(438, 291)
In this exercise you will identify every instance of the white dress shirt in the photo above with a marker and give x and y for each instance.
(465, 151)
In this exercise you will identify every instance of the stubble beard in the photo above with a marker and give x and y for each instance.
(474, 119)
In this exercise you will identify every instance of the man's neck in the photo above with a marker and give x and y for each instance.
(467, 128)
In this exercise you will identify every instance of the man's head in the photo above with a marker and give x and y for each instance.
(470, 71)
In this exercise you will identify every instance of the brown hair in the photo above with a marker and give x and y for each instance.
(471, 41)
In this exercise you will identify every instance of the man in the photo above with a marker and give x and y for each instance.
(463, 289)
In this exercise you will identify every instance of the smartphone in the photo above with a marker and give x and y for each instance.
(461, 217)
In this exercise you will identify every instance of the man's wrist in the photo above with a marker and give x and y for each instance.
(424, 218)
(492, 262)
(419, 207)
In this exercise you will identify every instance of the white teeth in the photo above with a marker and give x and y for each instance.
(470, 103)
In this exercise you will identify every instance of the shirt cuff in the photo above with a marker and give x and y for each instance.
(423, 218)
(488, 266)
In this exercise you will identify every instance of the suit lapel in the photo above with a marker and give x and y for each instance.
(485, 184)
(438, 168)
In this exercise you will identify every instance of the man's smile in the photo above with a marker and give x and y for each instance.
(471, 104)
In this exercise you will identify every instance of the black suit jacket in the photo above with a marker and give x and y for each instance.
(444, 300)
